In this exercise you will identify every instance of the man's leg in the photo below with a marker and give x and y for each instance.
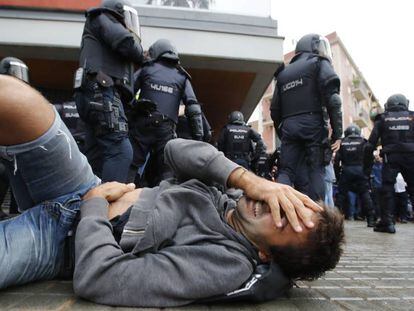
(389, 174)
(291, 156)
(116, 157)
(165, 132)
(24, 113)
(342, 196)
(32, 244)
(44, 164)
(316, 172)
(142, 137)
(42, 159)
(407, 172)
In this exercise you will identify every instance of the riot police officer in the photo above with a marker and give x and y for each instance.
(160, 85)
(395, 129)
(13, 67)
(237, 139)
(304, 90)
(109, 49)
(349, 170)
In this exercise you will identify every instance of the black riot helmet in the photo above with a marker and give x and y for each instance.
(14, 67)
(124, 11)
(316, 44)
(353, 130)
(396, 102)
(163, 48)
(236, 117)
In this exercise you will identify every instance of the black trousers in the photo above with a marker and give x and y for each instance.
(353, 179)
(301, 158)
(149, 135)
(395, 163)
(109, 151)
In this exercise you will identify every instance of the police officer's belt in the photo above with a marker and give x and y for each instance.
(121, 127)
(157, 119)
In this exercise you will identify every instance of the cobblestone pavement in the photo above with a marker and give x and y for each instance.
(375, 273)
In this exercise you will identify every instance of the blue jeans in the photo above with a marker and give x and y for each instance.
(329, 194)
(49, 176)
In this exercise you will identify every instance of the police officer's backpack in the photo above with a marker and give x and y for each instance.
(266, 283)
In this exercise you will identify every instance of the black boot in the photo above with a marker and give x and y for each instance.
(382, 227)
(370, 221)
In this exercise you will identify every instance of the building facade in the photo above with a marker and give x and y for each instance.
(230, 53)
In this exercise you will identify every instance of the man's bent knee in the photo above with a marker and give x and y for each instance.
(24, 113)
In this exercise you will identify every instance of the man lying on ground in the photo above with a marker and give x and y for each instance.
(166, 246)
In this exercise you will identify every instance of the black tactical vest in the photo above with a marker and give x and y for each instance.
(397, 129)
(96, 55)
(352, 150)
(298, 87)
(70, 116)
(164, 85)
(237, 140)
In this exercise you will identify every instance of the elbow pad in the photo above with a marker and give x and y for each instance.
(193, 113)
(335, 115)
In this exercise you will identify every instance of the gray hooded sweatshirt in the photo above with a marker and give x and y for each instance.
(176, 247)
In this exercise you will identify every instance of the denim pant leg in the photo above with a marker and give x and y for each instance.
(46, 168)
(48, 175)
(32, 244)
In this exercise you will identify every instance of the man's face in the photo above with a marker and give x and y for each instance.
(256, 223)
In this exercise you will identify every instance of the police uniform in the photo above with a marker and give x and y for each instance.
(70, 116)
(161, 84)
(237, 140)
(304, 90)
(184, 129)
(395, 129)
(109, 49)
(350, 173)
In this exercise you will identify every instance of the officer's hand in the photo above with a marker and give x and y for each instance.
(111, 191)
(277, 196)
(335, 146)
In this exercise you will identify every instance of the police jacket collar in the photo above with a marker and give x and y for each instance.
(308, 55)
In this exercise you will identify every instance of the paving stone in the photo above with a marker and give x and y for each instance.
(375, 273)
(44, 302)
(8, 301)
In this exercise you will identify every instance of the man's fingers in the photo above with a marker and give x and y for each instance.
(290, 213)
(275, 210)
(116, 190)
(308, 202)
(301, 210)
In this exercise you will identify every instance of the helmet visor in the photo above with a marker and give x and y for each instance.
(19, 70)
(132, 21)
(324, 48)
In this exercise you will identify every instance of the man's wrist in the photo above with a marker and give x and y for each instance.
(239, 178)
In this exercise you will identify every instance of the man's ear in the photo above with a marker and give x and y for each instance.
(264, 256)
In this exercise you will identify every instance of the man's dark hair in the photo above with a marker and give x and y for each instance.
(320, 252)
